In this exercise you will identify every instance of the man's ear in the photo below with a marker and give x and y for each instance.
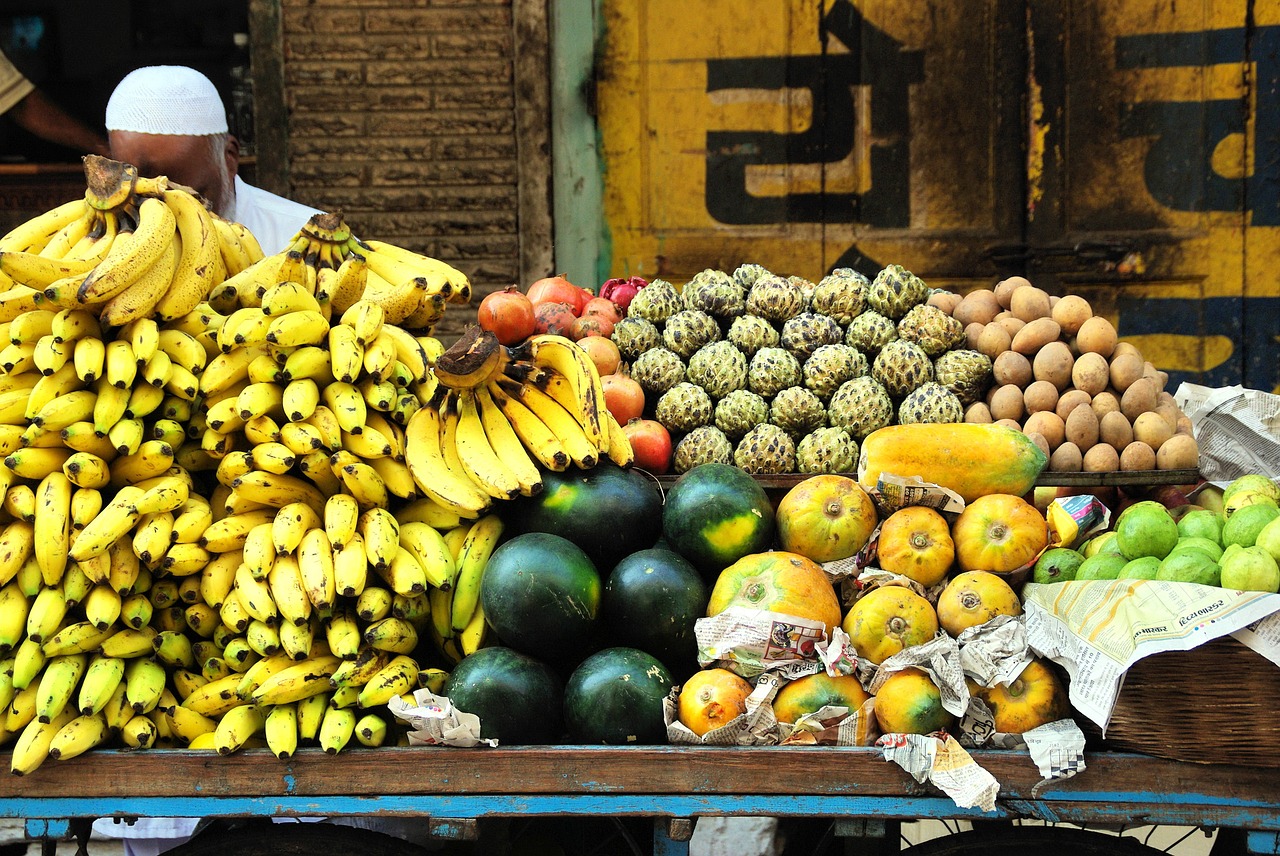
(232, 155)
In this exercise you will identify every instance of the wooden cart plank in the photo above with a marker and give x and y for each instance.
(814, 771)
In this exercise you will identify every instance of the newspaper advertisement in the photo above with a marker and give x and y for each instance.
(1097, 629)
(751, 641)
(1237, 430)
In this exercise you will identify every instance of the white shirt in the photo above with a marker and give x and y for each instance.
(272, 219)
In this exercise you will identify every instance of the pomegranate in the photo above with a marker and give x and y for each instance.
(554, 318)
(591, 325)
(621, 291)
(624, 396)
(603, 352)
(651, 444)
(507, 314)
(604, 307)
(558, 289)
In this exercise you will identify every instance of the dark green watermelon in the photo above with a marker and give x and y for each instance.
(615, 696)
(652, 599)
(541, 595)
(517, 698)
(608, 511)
(715, 514)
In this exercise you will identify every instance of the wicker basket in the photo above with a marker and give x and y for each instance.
(1218, 703)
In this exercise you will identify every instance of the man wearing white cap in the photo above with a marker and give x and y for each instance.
(169, 120)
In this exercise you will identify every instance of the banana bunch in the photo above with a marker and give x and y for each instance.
(497, 415)
(457, 621)
(339, 270)
(296, 408)
(132, 248)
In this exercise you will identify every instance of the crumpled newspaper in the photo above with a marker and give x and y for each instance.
(434, 721)
(995, 652)
(940, 760)
(751, 641)
(940, 659)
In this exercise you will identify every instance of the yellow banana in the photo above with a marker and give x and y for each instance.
(318, 576)
(392, 634)
(336, 729)
(297, 682)
(540, 440)
(479, 545)
(350, 568)
(119, 270)
(140, 297)
(200, 265)
(53, 526)
(287, 590)
(479, 460)
(33, 744)
(236, 727)
(425, 456)
(428, 547)
(396, 678)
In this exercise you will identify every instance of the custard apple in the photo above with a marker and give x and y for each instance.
(930, 328)
(657, 370)
(715, 293)
(827, 450)
(964, 372)
(841, 294)
(832, 365)
(895, 290)
(634, 336)
(706, 444)
(772, 370)
(806, 290)
(688, 330)
(870, 332)
(774, 298)
(860, 406)
(719, 368)
(804, 333)
(766, 449)
(931, 402)
(902, 366)
(656, 302)
(683, 407)
(747, 274)
(739, 412)
(750, 333)
(797, 411)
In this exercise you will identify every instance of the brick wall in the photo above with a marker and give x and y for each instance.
(402, 116)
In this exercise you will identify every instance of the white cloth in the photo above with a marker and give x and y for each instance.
(272, 219)
(167, 99)
(147, 836)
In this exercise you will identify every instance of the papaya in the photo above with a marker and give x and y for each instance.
(973, 459)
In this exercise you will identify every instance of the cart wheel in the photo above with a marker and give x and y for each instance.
(1031, 841)
(295, 839)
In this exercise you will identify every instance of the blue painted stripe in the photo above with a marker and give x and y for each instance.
(1095, 806)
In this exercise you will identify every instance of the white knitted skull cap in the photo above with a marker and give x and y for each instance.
(166, 99)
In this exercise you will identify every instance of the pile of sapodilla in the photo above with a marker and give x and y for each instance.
(1060, 375)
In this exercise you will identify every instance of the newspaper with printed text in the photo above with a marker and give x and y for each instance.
(1097, 629)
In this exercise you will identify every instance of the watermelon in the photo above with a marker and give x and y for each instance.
(615, 696)
(714, 515)
(541, 595)
(652, 599)
(517, 698)
(608, 511)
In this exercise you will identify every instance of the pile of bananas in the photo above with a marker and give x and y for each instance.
(340, 269)
(498, 414)
(132, 248)
(248, 522)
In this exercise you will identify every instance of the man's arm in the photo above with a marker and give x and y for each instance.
(42, 117)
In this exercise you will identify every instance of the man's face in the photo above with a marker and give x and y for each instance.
(193, 161)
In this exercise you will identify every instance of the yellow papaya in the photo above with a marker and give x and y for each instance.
(970, 458)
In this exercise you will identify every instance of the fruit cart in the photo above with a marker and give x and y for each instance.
(456, 791)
